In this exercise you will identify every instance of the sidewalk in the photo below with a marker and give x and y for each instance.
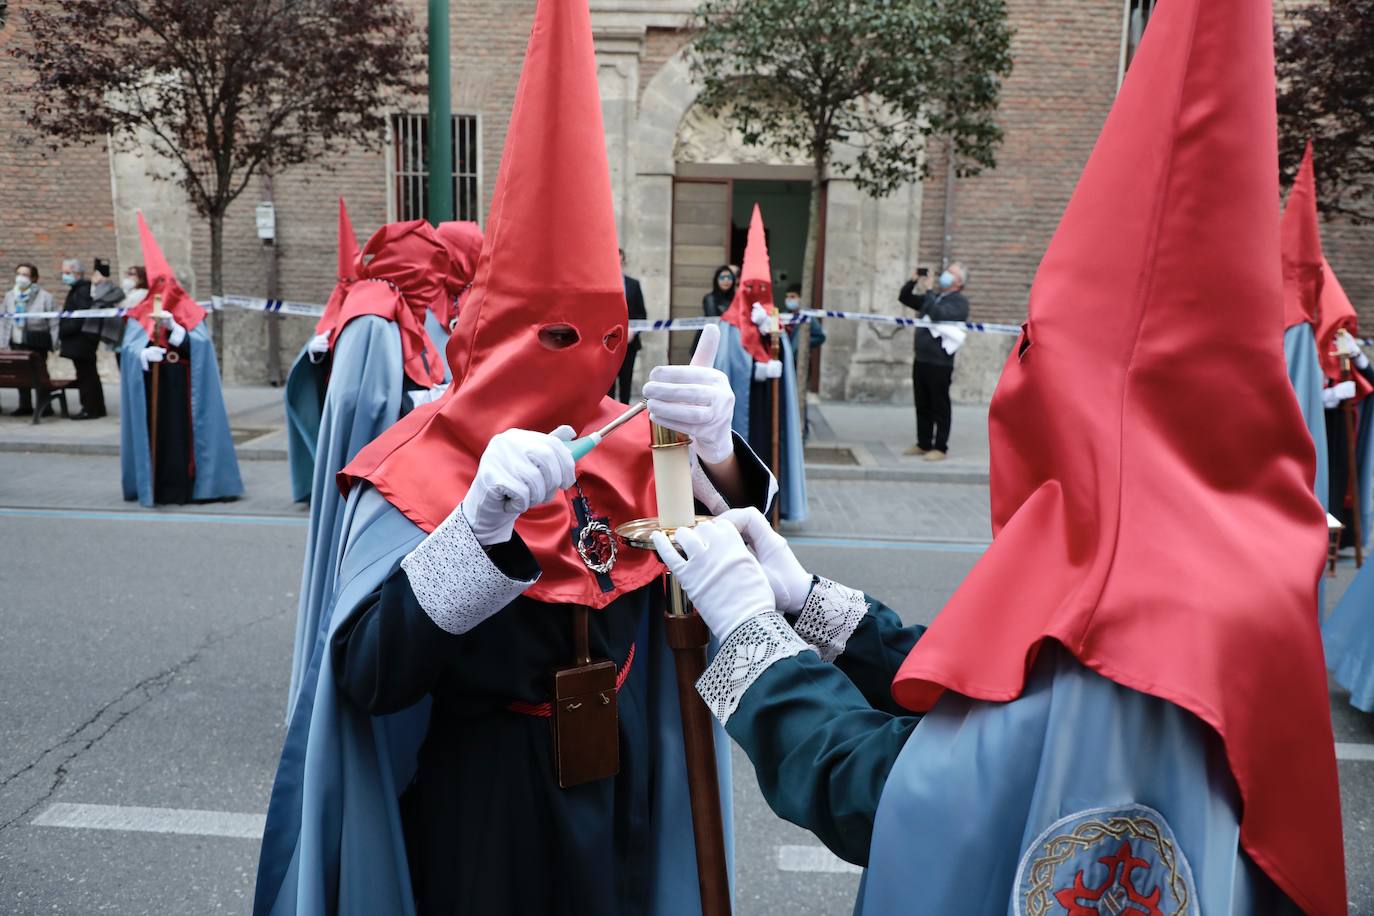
(857, 441)
(257, 421)
(849, 441)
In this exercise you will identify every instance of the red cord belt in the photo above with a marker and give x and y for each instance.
(545, 710)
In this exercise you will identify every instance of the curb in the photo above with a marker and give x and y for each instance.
(108, 449)
(906, 475)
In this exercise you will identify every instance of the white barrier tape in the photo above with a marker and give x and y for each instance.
(639, 326)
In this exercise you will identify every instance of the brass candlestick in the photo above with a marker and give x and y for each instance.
(688, 637)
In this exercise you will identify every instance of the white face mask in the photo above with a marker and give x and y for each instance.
(129, 284)
(946, 279)
(22, 282)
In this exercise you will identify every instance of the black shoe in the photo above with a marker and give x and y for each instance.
(84, 415)
(23, 412)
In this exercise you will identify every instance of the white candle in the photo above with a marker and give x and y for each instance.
(673, 485)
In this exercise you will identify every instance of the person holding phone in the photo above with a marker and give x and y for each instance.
(932, 369)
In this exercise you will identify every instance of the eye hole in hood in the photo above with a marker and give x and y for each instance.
(613, 338)
(558, 336)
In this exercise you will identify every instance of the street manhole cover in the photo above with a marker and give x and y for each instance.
(830, 454)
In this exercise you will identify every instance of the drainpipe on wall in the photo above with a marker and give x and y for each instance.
(440, 117)
(947, 242)
(272, 255)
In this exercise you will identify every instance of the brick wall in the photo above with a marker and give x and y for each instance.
(52, 204)
(1053, 106)
(659, 46)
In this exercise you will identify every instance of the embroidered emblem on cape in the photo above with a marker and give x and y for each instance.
(1106, 862)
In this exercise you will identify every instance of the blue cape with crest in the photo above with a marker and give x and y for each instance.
(738, 366)
(1039, 795)
(333, 843)
(217, 466)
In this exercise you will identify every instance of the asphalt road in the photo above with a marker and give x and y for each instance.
(143, 664)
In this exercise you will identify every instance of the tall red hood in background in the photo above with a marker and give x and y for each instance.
(464, 243)
(346, 274)
(1151, 472)
(162, 281)
(549, 264)
(1301, 243)
(401, 275)
(755, 286)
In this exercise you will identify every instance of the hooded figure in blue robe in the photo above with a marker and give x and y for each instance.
(1123, 708)
(382, 360)
(745, 359)
(419, 771)
(195, 459)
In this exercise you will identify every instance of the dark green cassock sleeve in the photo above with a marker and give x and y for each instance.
(822, 736)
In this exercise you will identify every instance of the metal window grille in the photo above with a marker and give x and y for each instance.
(1137, 17)
(410, 141)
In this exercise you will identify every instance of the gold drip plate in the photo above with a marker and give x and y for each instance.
(638, 532)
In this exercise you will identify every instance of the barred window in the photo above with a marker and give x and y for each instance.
(410, 152)
(1137, 17)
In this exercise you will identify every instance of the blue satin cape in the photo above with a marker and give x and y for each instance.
(966, 811)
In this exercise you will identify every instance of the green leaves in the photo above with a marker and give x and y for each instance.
(877, 77)
(1325, 57)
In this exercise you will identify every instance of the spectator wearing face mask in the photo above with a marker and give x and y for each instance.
(32, 334)
(933, 367)
(792, 306)
(77, 345)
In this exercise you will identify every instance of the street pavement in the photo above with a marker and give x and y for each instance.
(145, 655)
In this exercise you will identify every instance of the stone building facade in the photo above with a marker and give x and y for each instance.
(680, 179)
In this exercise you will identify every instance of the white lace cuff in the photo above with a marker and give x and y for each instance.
(707, 494)
(831, 614)
(454, 580)
(757, 643)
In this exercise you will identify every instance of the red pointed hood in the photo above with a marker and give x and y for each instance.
(542, 333)
(464, 243)
(1151, 472)
(1334, 313)
(345, 273)
(401, 276)
(755, 286)
(1302, 248)
(162, 282)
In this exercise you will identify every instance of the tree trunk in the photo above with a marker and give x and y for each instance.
(802, 350)
(217, 283)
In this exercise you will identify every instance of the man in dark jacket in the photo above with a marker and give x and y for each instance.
(933, 368)
(78, 346)
(634, 300)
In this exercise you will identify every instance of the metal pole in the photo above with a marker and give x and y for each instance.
(440, 140)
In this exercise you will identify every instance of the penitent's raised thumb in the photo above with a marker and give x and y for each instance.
(705, 354)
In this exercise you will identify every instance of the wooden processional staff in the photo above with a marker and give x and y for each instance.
(1352, 480)
(688, 637)
(156, 370)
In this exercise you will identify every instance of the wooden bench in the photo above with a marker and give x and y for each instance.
(21, 369)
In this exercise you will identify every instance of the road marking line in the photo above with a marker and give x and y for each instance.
(150, 516)
(153, 820)
(813, 859)
(1346, 750)
(936, 546)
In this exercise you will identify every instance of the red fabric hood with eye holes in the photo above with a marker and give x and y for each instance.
(400, 277)
(346, 273)
(755, 286)
(1151, 481)
(162, 282)
(549, 261)
(1302, 249)
(464, 243)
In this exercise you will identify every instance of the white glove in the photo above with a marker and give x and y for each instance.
(318, 347)
(519, 470)
(149, 355)
(720, 575)
(773, 368)
(1347, 345)
(789, 581)
(175, 332)
(759, 315)
(1341, 391)
(695, 399)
